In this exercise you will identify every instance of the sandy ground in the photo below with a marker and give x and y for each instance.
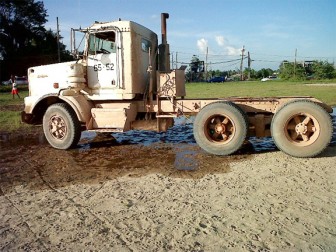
(322, 84)
(106, 196)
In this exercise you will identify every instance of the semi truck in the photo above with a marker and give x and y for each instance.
(121, 80)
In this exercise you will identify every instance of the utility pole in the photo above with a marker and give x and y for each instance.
(249, 65)
(58, 42)
(241, 64)
(206, 64)
(176, 60)
(295, 63)
(172, 61)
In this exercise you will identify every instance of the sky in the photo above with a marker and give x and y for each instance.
(270, 30)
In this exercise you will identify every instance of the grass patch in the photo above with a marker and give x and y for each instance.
(325, 93)
(6, 97)
(10, 120)
(10, 109)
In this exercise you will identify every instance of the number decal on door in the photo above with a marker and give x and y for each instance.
(109, 66)
(99, 67)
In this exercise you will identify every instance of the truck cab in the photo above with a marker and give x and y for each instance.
(110, 87)
(117, 56)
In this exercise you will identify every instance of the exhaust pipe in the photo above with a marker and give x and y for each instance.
(164, 60)
(164, 17)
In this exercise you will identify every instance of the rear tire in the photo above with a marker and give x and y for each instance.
(220, 128)
(61, 126)
(302, 128)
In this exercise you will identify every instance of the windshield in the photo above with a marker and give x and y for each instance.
(103, 42)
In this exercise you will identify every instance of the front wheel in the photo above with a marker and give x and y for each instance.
(220, 128)
(302, 129)
(61, 126)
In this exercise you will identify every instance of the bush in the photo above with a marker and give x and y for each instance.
(8, 88)
(323, 70)
(320, 70)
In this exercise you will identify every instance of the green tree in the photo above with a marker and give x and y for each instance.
(21, 23)
(24, 40)
(264, 72)
(292, 71)
(323, 70)
(253, 74)
(196, 69)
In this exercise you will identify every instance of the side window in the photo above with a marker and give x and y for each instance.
(145, 45)
(103, 42)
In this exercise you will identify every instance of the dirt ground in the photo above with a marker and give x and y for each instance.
(109, 195)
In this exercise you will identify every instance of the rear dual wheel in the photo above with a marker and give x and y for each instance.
(302, 129)
(220, 128)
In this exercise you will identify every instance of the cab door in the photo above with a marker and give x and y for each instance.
(102, 61)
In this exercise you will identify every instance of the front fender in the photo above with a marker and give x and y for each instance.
(36, 107)
(80, 105)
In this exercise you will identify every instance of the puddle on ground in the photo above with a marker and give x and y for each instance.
(333, 140)
(185, 159)
(182, 132)
(16, 139)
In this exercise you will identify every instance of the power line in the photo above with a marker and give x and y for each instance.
(204, 54)
(210, 59)
(216, 63)
(291, 56)
(227, 61)
(261, 60)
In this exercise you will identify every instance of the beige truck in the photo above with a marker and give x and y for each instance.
(122, 81)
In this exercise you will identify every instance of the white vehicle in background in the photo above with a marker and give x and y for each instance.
(18, 80)
(21, 80)
(5, 83)
(269, 78)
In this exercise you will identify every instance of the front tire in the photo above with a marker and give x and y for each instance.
(302, 129)
(61, 126)
(220, 128)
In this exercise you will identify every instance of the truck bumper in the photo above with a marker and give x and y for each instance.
(27, 118)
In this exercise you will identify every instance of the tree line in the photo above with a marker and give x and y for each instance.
(307, 70)
(316, 69)
(25, 42)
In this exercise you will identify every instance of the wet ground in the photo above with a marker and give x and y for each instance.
(133, 153)
(101, 157)
(136, 186)
(178, 143)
